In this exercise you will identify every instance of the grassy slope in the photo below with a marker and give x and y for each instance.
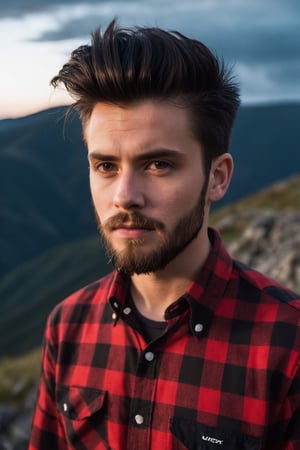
(18, 376)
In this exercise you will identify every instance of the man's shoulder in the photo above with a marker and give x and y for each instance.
(256, 286)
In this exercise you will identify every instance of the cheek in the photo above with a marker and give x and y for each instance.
(175, 202)
(185, 195)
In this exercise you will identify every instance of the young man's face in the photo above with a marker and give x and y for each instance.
(147, 182)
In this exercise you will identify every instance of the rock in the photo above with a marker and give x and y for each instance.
(15, 425)
(8, 414)
(270, 243)
(20, 428)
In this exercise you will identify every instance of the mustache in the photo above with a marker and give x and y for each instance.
(135, 219)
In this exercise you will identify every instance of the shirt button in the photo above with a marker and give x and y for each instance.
(127, 310)
(198, 327)
(114, 316)
(139, 419)
(116, 304)
(149, 356)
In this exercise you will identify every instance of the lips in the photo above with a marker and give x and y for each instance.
(130, 223)
(132, 231)
(132, 227)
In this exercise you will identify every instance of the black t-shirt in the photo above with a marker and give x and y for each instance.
(150, 329)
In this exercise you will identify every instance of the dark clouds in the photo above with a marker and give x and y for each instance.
(76, 28)
(245, 31)
(261, 37)
(18, 8)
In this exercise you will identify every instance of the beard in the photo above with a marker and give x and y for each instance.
(132, 259)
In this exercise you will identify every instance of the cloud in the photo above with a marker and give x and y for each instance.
(247, 31)
(18, 8)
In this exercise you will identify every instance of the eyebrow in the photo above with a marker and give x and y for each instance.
(157, 153)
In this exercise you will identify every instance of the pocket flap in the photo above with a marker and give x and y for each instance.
(79, 403)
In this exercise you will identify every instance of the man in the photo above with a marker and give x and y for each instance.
(181, 347)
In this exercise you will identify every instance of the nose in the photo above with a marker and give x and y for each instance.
(128, 193)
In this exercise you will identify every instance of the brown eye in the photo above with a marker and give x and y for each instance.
(106, 167)
(159, 165)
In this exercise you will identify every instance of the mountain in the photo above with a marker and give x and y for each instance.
(265, 147)
(45, 200)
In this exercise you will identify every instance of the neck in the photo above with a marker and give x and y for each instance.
(153, 293)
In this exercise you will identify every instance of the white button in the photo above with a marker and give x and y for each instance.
(127, 310)
(65, 406)
(139, 419)
(198, 327)
(114, 316)
(149, 356)
(116, 305)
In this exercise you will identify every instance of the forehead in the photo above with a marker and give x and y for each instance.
(147, 114)
(148, 119)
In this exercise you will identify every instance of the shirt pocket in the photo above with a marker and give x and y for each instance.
(84, 414)
(196, 436)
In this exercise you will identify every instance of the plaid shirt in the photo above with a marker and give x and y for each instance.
(224, 375)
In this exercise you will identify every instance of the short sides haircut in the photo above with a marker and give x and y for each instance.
(124, 66)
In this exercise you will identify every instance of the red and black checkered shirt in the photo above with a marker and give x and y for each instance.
(224, 375)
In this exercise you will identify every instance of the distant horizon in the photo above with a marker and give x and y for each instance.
(249, 104)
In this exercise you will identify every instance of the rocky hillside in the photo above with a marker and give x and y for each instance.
(263, 231)
(270, 243)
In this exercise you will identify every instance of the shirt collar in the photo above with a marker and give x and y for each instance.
(202, 296)
(210, 284)
(205, 293)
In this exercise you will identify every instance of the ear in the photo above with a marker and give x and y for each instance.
(219, 177)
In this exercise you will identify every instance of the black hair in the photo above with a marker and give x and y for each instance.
(127, 65)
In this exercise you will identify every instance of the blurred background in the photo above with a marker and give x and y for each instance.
(49, 243)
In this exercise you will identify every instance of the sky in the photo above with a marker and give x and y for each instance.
(260, 38)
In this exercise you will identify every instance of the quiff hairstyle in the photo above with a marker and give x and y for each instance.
(123, 66)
